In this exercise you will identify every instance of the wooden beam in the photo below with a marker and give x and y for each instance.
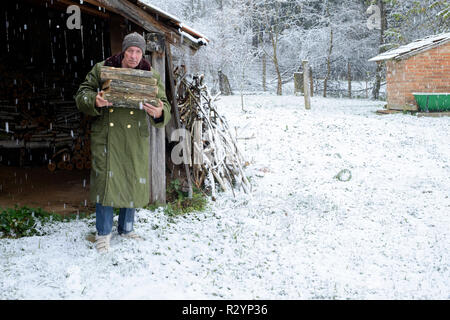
(83, 8)
(433, 114)
(94, 3)
(158, 146)
(406, 107)
(142, 18)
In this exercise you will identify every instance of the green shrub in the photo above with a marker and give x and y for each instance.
(184, 204)
(178, 201)
(21, 222)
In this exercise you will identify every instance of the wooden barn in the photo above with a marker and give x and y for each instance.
(419, 68)
(45, 55)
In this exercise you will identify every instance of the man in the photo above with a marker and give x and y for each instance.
(120, 144)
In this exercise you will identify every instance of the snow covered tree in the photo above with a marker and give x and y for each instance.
(261, 43)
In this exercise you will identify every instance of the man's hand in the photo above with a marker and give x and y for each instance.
(152, 110)
(100, 102)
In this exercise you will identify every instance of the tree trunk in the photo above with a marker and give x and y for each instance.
(274, 40)
(264, 77)
(242, 88)
(330, 50)
(378, 74)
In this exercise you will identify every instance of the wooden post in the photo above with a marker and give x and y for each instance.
(157, 155)
(264, 67)
(306, 88)
(367, 90)
(197, 149)
(224, 84)
(349, 77)
(311, 82)
(367, 93)
(298, 82)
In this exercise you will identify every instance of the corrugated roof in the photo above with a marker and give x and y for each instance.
(413, 48)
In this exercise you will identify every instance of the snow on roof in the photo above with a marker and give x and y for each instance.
(160, 11)
(413, 48)
(184, 34)
(201, 37)
(184, 30)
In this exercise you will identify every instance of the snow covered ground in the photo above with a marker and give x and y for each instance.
(301, 234)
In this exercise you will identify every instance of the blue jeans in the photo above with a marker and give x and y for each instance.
(104, 219)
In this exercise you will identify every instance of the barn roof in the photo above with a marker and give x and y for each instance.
(413, 48)
(153, 19)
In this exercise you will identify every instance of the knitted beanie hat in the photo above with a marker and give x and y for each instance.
(134, 40)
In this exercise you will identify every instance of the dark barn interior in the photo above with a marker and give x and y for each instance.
(44, 140)
(45, 155)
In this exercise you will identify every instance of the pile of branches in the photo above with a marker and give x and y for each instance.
(215, 154)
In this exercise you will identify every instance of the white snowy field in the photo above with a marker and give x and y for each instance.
(301, 234)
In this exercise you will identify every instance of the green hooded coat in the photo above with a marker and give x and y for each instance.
(119, 146)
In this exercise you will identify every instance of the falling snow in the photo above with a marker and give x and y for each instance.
(301, 234)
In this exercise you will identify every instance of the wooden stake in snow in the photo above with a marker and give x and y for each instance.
(306, 88)
(349, 79)
(298, 82)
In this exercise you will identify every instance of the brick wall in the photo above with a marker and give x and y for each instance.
(428, 71)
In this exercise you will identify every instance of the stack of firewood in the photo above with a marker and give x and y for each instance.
(128, 87)
(36, 112)
(78, 157)
(216, 156)
(55, 125)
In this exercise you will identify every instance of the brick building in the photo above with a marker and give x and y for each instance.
(420, 66)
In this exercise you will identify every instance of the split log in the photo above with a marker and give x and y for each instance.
(61, 165)
(38, 145)
(130, 87)
(79, 165)
(51, 166)
(125, 74)
(128, 100)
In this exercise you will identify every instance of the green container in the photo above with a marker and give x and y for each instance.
(432, 102)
